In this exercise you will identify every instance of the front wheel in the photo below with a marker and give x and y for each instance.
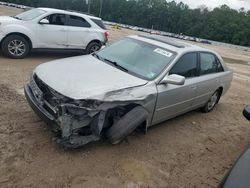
(214, 99)
(15, 46)
(126, 125)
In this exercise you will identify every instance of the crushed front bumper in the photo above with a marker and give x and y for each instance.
(70, 141)
(37, 108)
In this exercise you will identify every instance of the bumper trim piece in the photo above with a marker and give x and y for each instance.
(38, 109)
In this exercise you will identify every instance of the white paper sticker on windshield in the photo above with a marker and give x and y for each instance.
(163, 52)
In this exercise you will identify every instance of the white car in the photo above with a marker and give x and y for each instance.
(46, 28)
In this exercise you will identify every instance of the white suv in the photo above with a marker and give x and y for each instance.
(46, 28)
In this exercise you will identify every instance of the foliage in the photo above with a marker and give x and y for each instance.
(221, 24)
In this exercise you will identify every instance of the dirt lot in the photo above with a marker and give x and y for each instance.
(193, 150)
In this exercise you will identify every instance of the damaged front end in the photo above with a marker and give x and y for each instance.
(76, 122)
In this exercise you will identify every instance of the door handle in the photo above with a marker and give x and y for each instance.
(63, 30)
(193, 87)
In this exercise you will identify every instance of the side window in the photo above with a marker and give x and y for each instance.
(56, 19)
(186, 66)
(76, 21)
(209, 63)
(99, 23)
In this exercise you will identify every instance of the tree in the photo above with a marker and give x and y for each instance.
(221, 24)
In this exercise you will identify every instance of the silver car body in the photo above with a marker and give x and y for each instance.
(87, 78)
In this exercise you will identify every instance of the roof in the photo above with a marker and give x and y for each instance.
(68, 12)
(166, 40)
(169, 43)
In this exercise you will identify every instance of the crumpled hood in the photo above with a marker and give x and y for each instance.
(85, 77)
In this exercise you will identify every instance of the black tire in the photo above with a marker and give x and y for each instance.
(93, 47)
(214, 99)
(15, 40)
(126, 125)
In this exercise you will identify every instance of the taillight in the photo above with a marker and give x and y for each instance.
(106, 35)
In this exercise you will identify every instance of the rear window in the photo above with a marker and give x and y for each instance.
(99, 23)
(76, 21)
(209, 64)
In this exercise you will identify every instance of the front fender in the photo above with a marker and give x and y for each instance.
(16, 28)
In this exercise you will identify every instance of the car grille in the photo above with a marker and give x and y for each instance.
(36, 90)
(48, 98)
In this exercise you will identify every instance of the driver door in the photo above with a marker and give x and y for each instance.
(55, 33)
(174, 100)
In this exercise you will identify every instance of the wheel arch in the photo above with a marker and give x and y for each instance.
(221, 90)
(133, 119)
(19, 34)
(95, 40)
(127, 108)
(144, 125)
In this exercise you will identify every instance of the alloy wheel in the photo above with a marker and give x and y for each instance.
(213, 100)
(16, 47)
(94, 48)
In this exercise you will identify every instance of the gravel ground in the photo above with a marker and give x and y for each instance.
(193, 150)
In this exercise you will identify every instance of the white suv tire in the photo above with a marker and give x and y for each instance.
(93, 47)
(15, 46)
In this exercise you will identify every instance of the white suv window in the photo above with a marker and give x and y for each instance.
(99, 23)
(56, 19)
(76, 21)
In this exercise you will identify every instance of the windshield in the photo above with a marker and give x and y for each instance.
(30, 14)
(143, 59)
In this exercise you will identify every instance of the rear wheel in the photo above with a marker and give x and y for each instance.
(15, 46)
(214, 99)
(93, 47)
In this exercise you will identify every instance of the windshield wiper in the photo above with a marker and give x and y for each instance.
(116, 65)
(96, 55)
(112, 62)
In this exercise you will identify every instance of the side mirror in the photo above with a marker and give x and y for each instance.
(246, 112)
(173, 79)
(44, 21)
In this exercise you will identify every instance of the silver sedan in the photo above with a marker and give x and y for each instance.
(136, 82)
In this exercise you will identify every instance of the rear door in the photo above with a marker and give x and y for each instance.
(53, 34)
(210, 70)
(79, 31)
(172, 99)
